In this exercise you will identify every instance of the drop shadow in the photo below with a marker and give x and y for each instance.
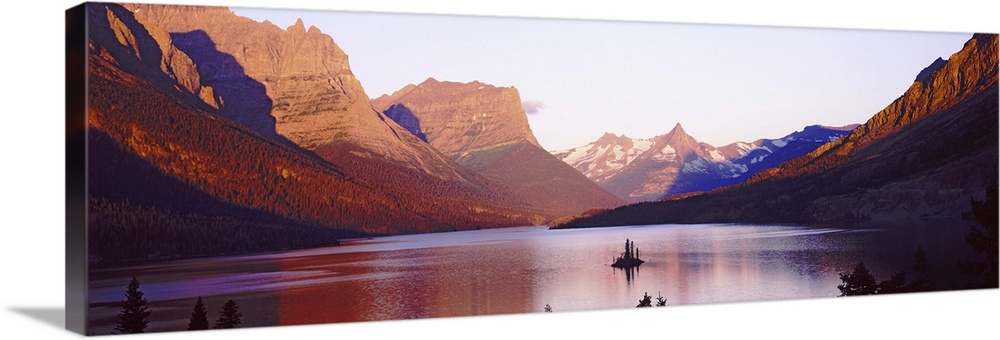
(53, 316)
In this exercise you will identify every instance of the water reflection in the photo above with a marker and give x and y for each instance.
(523, 269)
(629, 272)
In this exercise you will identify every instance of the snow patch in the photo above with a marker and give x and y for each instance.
(575, 155)
(667, 154)
(717, 156)
(696, 166)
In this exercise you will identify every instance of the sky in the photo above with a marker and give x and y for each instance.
(582, 78)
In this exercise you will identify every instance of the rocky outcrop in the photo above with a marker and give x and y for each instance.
(141, 47)
(484, 128)
(461, 118)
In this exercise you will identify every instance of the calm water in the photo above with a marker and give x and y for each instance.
(521, 270)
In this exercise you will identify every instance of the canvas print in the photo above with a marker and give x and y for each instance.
(242, 167)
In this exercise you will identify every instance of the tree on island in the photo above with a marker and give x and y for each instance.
(229, 316)
(134, 315)
(629, 258)
(646, 301)
(199, 317)
(982, 237)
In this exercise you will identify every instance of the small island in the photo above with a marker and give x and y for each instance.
(629, 258)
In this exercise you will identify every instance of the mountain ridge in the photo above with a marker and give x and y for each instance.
(926, 155)
(485, 128)
(676, 163)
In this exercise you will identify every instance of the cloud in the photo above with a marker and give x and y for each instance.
(532, 106)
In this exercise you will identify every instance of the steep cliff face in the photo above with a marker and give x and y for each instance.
(925, 155)
(461, 118)
(294, 82)
(485, 128)
(140, 47)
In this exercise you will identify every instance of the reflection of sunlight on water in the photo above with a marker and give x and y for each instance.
(523, 269)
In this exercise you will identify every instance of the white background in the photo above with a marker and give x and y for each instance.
(31, 168)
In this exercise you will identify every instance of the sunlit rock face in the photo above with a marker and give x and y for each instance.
(485, 128)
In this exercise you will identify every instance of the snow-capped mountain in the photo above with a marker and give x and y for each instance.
(676, 163)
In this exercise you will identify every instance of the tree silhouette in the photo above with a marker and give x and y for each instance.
(199, 317)
(922, 281)
(647, 301)
(895, 284)
(660, 300)
(983, 239)
(859, 282)
(229, 316)
(134, 315)
(548, 309)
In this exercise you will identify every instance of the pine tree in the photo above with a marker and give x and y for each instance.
(859, 282)
(660, 300)
(922, 282)
(229, 316)
(134, 315)
(982, 237)
(647, 301)
(199, 317)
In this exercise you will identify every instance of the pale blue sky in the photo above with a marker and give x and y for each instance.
(722, 83)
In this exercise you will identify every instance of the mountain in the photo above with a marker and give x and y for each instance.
(292, 84)
(927, 154)
(174, 169)
(676, 163)
(485, 128)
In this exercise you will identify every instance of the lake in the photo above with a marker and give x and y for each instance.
(521, 270)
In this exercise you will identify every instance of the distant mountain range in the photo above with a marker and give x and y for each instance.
(677, 163)
(926, 155)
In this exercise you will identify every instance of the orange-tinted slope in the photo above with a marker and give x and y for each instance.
(169, 159)
(485, 128)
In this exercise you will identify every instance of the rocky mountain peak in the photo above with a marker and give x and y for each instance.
(927, 71)
(460, 118)
(678, 137)
(298, 27)
(609, 137)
